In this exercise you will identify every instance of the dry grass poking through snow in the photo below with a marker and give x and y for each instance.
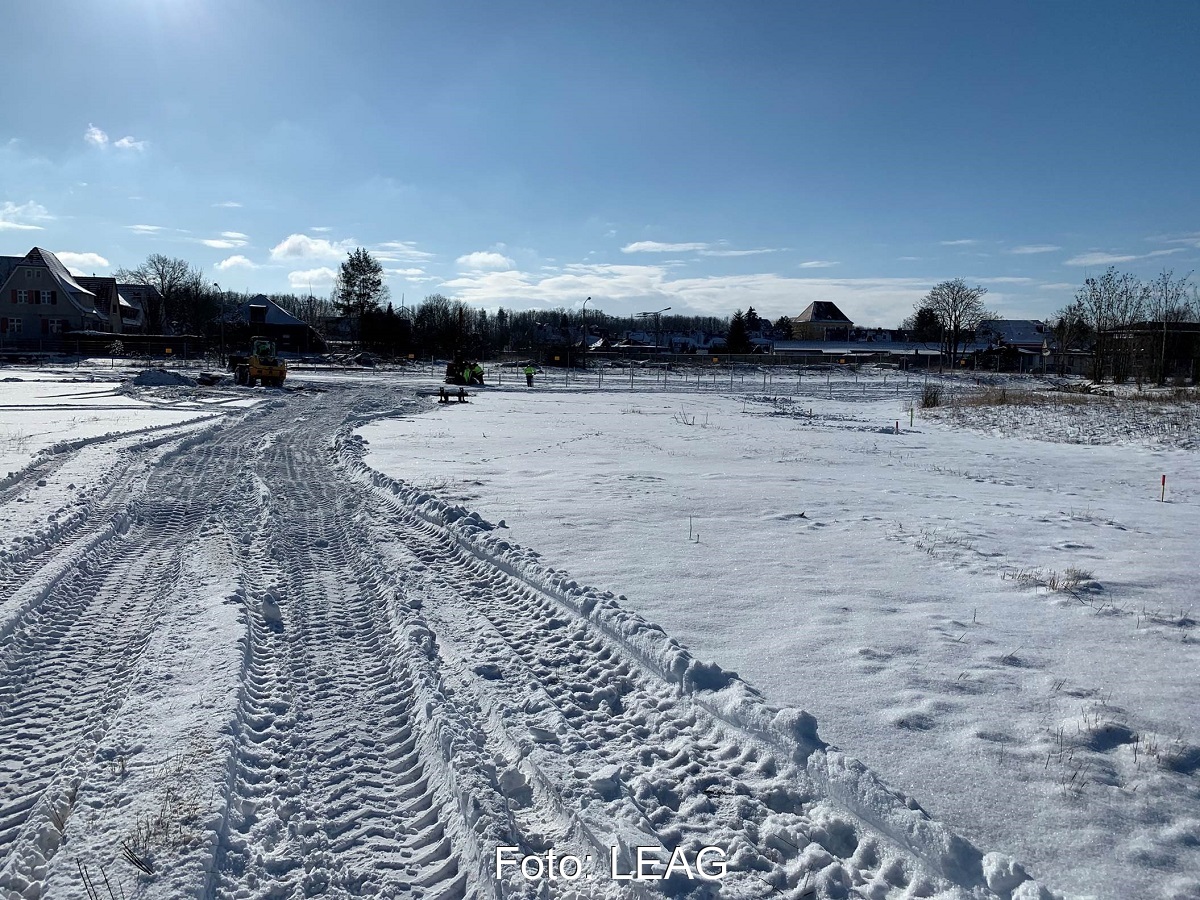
(1169, 418)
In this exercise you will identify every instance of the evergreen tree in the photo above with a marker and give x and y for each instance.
(360, 288)
(753, 322)
(738, 340)
(923, 325)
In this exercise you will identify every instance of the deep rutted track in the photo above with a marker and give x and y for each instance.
(413, 693)
(335, 790)
(86, 603)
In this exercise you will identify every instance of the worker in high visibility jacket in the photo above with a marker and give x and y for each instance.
(529, 370)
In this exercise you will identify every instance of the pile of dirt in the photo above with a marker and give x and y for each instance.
(163, 378)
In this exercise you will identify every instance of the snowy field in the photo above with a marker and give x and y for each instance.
(999, 623)
(341, 640)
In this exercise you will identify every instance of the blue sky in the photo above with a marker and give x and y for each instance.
(695, 155)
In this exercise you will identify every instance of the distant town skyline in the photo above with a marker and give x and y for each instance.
(701, 156)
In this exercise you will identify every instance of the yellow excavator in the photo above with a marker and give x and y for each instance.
(260, 364)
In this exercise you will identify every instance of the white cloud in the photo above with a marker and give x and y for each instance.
(235, 235)
(81, 263)
(145, 229)
(301, 246)
(222, 243)
(1035, 248)
(321, 229)
(235, 262)
(228, 204)
(311, 279)
(961, 242)
(14, 217)
(908, 258)
(659, 247)
(410, 274)
(485, 259)
(703, 248)
(1191, 240)
(818, 264)
(128, 143)
(95, 136)
(1100, 258)
(400, 251)
(1000, 279)
(626, 289)
(726, 252)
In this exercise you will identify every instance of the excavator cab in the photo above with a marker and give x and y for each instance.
(264, 350)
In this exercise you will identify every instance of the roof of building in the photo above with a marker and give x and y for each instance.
(823, 312)
(275, 314)
(102, 288)
(7, 264)
(1014, 332)
(73, 292)
(39, 257)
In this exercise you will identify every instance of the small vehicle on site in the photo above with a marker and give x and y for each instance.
(260, 364)
(460, 371)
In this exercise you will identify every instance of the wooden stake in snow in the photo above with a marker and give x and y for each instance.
(1163, 497)
(897, 426)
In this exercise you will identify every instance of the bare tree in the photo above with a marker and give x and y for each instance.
(1114, 300)
(1070, 328)
(309, 309)
(1167, 302)
(180, 290)
(959, 310)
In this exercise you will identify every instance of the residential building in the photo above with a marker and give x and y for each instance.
(134, 300)
(108, 300)
(262, 317)
(821, 321)
(40, 299)
(1020, 334)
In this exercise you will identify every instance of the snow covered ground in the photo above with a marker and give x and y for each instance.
(999, 624)
(340, 640)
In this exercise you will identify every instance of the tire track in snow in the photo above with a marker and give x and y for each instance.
(67, 663)
(696, 752)
(660, 766)
(416, 693)
(38, 556)
(342, 783)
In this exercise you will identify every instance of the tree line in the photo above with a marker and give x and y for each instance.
(1127, 322)
(440, 326)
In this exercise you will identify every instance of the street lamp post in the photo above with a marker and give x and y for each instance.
(654, 315)
(221, 293)
(583, 313)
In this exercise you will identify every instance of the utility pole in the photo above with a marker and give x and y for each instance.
(221, 293)
(583, 313)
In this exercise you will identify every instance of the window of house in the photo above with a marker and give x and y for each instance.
(28, 274)
(46, 297)
(57, 326)
(21, 296)
(13, 326)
